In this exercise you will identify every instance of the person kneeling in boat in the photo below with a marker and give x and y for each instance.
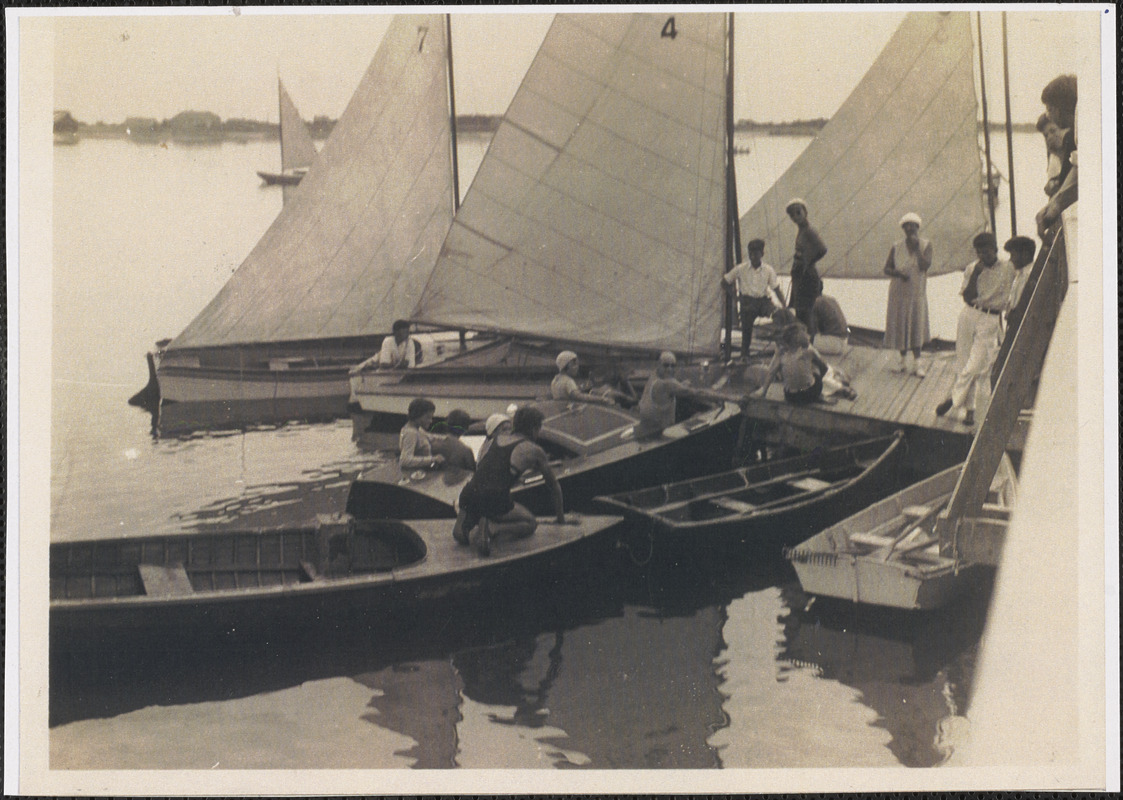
(415, 448)
(487, 511)
(659, 403)
(564, 385)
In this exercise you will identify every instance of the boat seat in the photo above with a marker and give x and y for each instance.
(810, 484)
(915, 511)
(165, 581)
(870, 539)
(731, 504)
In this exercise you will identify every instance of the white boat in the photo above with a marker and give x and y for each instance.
(297, 150)
(598, 220)
(889, 555)
(347, 255)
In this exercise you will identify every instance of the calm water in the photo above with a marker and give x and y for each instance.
(625, 666)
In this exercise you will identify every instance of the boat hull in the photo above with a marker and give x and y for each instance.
(247, 580)
(281, 178)
(847, 561)
(765, 506)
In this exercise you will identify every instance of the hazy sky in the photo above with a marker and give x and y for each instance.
(788, 64)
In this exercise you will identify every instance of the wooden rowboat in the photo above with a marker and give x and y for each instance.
(887, 554)
(248, 577)
(772, 503)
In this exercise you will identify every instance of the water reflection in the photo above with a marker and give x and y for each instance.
(421, 700)
(913, 670)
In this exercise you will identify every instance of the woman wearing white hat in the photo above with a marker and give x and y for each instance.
(564, 386)
(906, 319)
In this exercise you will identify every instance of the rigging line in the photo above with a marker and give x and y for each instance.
(1009, 129)
(986, 123)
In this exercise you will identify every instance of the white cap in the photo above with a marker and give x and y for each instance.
(912, 216)
(564, 358)
(511, 409)
(796, 201)
(494, 421)
(668, 358)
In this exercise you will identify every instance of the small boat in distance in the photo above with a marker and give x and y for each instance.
(766, 504)
(297, 149)
(888, 554)
(250, 577)
(289, 178)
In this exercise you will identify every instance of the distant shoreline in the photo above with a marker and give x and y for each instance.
(199, 126)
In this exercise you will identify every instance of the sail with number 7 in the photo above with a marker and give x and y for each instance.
(348, 254)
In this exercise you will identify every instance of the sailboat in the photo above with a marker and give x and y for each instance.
(348, 255)
(297, 149)
(598, 220)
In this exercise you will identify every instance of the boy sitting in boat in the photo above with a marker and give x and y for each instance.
(455, 452)
(487, 511)
(415, 447)
(803, 371)
(399, 351)
(564, 386)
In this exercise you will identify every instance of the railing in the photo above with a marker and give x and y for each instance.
(1021, 358)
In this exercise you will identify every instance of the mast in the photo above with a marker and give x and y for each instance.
(986, 122)
(452, 117)
(732, 217)
(280, 119)
(1009, 131)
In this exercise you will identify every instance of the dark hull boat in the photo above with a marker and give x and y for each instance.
(888, 555)
(282, 178)
(769, 504)
(592, 449)
(251, 579)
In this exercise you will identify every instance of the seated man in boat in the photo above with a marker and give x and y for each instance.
(415, 448)
(454, 451)
(659, 402)
(487, 511)
(399, 351)
(564, 385)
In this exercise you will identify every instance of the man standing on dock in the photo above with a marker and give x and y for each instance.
(987, 282)
(757, 284)
(809, 248)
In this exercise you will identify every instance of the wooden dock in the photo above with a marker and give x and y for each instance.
(886, 399)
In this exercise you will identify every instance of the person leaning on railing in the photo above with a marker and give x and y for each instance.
(1059, 97)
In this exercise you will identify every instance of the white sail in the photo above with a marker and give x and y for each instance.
(353, 248)
(905, 140)
(597, 213)
(297, 150)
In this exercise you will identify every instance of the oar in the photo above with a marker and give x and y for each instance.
(887, 550)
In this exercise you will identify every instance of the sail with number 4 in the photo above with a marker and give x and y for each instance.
(353, 248)
(906, 139)
(597, 215)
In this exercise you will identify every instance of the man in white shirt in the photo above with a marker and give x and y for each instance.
(399, 351)
(987, 282)
(757, 284)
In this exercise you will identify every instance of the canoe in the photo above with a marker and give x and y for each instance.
(251, 577)
(774, 503)
(592, 449)
(887, 555)
(290, 178)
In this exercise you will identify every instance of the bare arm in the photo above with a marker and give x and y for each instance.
(541, 462)
(924, 259)
(773, 369)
